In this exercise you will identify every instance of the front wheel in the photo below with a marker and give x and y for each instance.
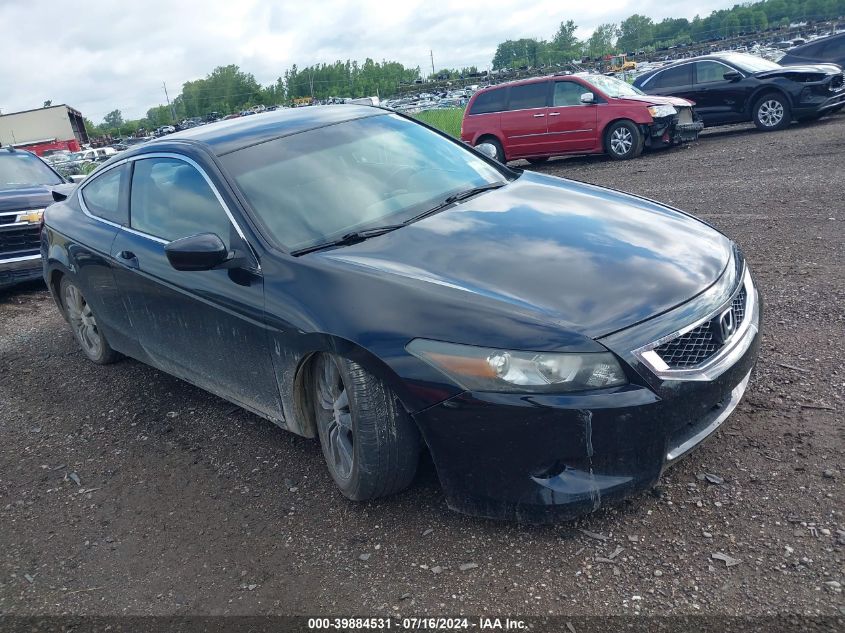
(772, 112)
(370, 443)
(499, 154)
(83, 322)
(623, 140)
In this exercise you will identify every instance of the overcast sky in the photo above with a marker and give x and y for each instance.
(100, 55)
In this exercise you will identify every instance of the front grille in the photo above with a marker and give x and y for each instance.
(19, 239)
(700, 344)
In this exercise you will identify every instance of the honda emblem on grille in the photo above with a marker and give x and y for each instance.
(725, 326)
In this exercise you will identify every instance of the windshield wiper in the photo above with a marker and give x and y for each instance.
(456, 197)
(359, 236)
(350, 238)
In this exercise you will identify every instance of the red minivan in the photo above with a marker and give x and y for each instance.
(574, 114)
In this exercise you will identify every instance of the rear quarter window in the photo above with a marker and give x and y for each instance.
(102, 196)
(490, 101)
(671, 78)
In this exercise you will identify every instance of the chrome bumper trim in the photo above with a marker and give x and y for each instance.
(709, 425)
(13, 263)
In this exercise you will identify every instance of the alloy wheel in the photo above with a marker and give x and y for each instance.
(621, 141)
(335, 420)
(82, 321)
(770, 112)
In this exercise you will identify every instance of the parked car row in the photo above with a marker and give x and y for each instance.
(586, 113)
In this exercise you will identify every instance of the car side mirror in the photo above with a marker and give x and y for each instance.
(732, 75)
(587, 98)
(197, 252)
(488, 149)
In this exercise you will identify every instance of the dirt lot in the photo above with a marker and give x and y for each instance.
(185, 504)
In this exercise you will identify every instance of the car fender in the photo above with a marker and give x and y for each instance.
(761, 90)
(293, 367)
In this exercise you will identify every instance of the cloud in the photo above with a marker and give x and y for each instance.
(101, 55)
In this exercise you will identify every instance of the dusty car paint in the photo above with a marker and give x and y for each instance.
(540, 264)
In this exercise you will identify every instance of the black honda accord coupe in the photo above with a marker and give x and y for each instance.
(354, 275)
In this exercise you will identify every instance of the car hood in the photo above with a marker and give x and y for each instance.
(655, 100)
(34, 197)
(574, 254)
(800, 69)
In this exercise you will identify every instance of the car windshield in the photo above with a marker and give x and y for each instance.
(317, 186)
(750, 63)
(611, 86)
(20, 169)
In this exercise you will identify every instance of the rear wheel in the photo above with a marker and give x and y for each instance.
(370, 443)
(772, 112)
(83, 323)
(623, 140)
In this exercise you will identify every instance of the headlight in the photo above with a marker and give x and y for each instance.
(657, 111)
(33, 216)
(486, 369)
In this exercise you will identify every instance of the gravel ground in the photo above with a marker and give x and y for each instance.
(126, 491)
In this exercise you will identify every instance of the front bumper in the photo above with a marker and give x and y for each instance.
(540, 458)
(17, 270)
(672, 131)
(815, 104)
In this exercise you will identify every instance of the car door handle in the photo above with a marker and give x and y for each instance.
(537, 116)
(554, 113)
(129, 258)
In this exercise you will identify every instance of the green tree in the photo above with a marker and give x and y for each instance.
(113, 120)
(602, 41)
(565, 46)
(635, 32)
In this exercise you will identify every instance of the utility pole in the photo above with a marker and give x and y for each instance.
(169, 105)
(431, 52)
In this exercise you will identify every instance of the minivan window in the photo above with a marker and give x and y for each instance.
(170, 199)
(568, 93)
(525, 96)
(102, 196)
(672, 77)
(490, 101)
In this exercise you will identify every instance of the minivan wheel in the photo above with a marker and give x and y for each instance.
(370, 443)
(500, 153)
(623, 140)
(83, 323)
(771, 112)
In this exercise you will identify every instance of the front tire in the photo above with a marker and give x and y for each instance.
(500, 152)
(623, 140)
(83, 323)
(772, 112)
(370, 443)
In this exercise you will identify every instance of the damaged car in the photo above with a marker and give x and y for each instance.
(582, 113)
(738, 87)
(356, 276)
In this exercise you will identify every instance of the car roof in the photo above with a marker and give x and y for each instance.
(719, 57)
(228, 136)
(813, 43)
